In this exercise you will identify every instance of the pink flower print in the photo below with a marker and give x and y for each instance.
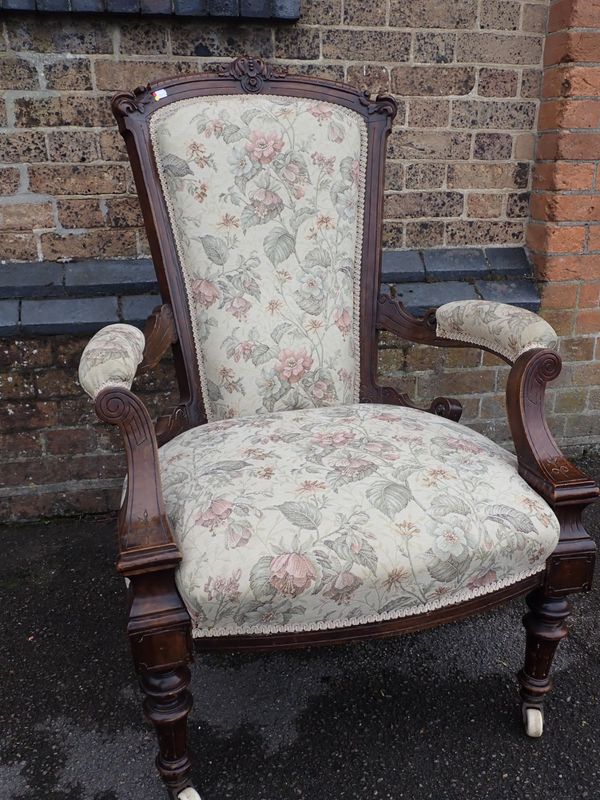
(224, 588)
(319, 111)
(321, 160)
(293, 175)
(321, 390)
(292, 366)
(343, 320)
(335, 133)
(204, 293)
(266, 204)
(342, 587)
(335, 439)
(239, 307)
(264, 146)
(215, 127)
(483, 580)
(291, 573)
(464, 445)
(243, 350)
(216, 514)
(238, 535)
(354, 469)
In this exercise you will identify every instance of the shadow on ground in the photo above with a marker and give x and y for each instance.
(431, 715)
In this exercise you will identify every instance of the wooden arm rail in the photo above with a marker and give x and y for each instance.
(541, 462)
(146, 542)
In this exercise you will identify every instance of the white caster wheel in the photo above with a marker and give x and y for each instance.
(189, 794)
(533, 719)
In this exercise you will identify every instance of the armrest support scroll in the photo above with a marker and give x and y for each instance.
(146, 542)
(541, 462)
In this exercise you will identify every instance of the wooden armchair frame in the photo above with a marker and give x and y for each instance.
(159, 625)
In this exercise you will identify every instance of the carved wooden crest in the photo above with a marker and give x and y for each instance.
(251, 72)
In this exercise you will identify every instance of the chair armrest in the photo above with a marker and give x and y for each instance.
(541, 463)
(503, 329)
(146, 542)
(111, 358)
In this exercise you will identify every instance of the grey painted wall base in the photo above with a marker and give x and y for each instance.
(83, 296)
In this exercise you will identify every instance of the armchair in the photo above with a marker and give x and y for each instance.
(289, 499)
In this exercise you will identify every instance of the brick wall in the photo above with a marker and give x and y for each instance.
(564, 234)
(466, 73)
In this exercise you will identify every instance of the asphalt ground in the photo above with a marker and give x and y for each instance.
(430, 715)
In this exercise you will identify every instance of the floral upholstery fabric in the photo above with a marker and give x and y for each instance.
(111, 358)
(266, 196)
(505, 329)
(322, 518)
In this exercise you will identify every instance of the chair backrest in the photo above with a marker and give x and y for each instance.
(262, 198)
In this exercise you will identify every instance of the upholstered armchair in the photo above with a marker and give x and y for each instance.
(289, 499)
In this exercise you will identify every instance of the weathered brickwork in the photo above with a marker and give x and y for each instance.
(56, 456)
(466, 74)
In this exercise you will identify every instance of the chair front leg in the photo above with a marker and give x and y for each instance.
(167, 704)
(159, 631)
(546, 627)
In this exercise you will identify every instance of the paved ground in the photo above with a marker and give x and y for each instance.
(431, 715)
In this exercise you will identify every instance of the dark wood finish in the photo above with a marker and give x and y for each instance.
(159, 625)
(546, 627)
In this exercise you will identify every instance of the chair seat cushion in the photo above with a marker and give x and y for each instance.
(328, 517)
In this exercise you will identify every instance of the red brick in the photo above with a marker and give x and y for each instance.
(570, 46)
(567, 268)
(559, 295)
(568, 146)
(574, 14)
(594, 238)
(566, 207)
(589, 295)
(560, 176)
(569, 114)
(571, 81)
(547, 238)
(562, 321)
(576, 348)
(588, 321)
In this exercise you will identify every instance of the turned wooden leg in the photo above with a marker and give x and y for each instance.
(167, 705)
(160, 635)
(545, 624)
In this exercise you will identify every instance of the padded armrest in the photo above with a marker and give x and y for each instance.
(504, 329)
(111, 358)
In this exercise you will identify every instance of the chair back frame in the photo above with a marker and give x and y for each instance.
(248, 75)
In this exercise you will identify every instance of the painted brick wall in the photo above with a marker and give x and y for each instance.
(466, 73)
